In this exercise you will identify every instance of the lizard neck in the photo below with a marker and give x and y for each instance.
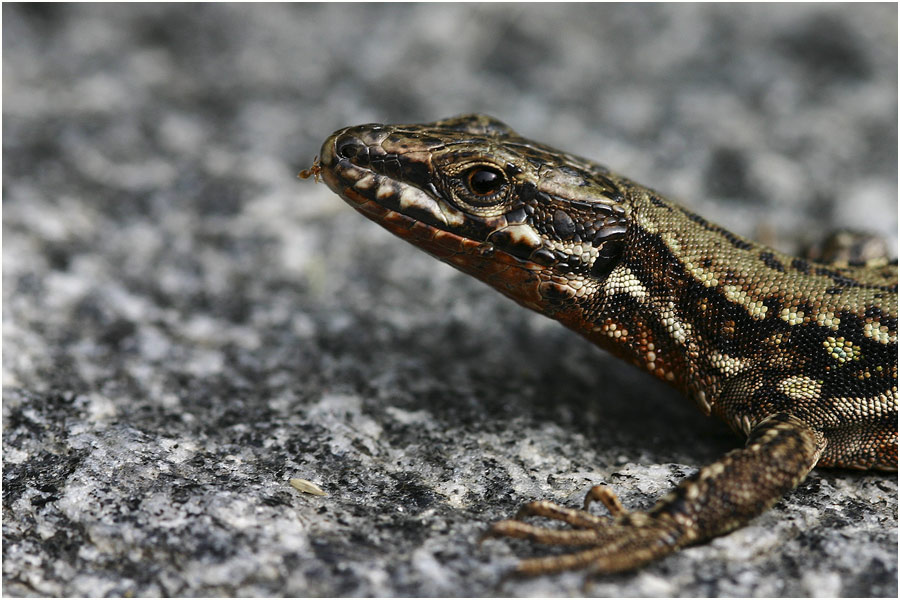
(695, 304)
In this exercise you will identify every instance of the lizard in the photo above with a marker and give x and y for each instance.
(799, 356)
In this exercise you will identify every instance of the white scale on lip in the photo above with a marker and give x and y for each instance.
(414, 197)
(385, 189)
(409, 196)
(366, 182)
(520, 235)
(351, 172)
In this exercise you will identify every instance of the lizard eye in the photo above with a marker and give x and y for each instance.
(485, 185)
(484, 182)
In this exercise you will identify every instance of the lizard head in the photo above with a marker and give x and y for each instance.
(475, 194)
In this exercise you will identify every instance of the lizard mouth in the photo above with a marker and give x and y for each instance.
(357, 168)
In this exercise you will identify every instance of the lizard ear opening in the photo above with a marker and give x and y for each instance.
(610, 244)
(476, 124)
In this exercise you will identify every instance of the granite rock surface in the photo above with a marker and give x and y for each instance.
(187, 326)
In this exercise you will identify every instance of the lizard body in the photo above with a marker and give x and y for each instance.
(799, 356)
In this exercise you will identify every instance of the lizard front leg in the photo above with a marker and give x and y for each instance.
(779, 453)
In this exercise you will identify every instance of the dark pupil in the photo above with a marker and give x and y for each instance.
(484, 182)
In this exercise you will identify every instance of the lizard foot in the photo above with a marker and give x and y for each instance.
(717, 499)
(621, 543)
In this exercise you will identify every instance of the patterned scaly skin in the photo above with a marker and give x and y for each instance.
(799, 356)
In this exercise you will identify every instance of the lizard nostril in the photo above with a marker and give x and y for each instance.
(348, 147)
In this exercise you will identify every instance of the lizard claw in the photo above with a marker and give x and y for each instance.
(623, 542)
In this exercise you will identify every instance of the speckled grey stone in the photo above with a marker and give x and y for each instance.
(186, 326)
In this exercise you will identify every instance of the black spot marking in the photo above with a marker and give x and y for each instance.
(843, 281)
(735, 240)
(837, 278)
(773, 305)
(770, 261)
(801, 265)
(874, 312)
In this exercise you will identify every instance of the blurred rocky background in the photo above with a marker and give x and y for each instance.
(187, 326)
